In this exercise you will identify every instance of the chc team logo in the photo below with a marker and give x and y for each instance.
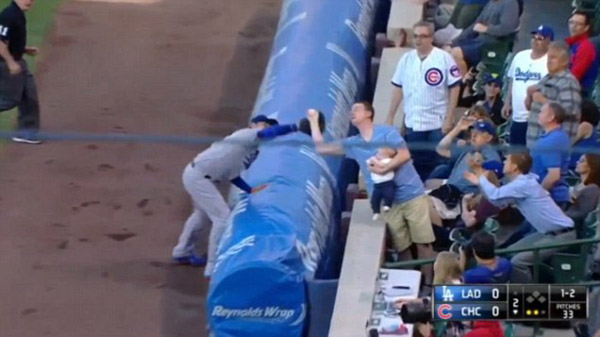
(454, 71)
(444, 311)
(434, 76)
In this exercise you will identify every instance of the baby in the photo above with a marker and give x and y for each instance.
(384, 187)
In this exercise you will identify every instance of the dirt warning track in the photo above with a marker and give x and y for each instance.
(86, 229)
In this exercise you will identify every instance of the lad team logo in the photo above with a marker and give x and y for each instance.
(434, 76)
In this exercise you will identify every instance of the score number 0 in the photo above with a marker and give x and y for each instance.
(495, 308)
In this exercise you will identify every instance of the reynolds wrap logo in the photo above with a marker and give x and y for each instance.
(525, 76)
(273, 314)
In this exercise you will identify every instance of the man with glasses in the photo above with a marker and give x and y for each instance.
(445, 196)
(584, 58)
(558, 86)
(427, 79)
(528, 67)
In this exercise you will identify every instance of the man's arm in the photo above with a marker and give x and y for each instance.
(12, 65)
(569, 96)
(317, 136)
(443, 148)
(583, 60)
(241, 184)
(539, 97)
(397, 96)
(276, 130)
(551, 178)
(499, 195)
(401, 157)
(454, 92)
(509, 21)
(582, 130)
(506, 109)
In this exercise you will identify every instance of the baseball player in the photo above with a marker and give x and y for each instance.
(427, 79)
(17, 84)
(222, 161)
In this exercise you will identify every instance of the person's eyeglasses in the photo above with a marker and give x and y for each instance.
(416, 36)
(537, 37)
(576, 23)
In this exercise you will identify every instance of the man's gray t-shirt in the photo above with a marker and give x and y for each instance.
(225, 160)
(461, 165)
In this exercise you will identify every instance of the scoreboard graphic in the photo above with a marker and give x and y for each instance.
(513, 302)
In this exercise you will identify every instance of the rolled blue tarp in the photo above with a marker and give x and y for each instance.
(283, 235)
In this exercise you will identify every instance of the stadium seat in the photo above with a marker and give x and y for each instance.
(494, 54)
(503, 132)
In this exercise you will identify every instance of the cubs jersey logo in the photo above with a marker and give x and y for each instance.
(454, 71)
(434, 76)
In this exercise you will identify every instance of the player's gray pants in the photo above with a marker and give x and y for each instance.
(209, 206)
(20, 91)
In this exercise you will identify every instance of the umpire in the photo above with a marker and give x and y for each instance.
(17, 85)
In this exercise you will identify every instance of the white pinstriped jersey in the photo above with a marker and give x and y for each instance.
(425, 86)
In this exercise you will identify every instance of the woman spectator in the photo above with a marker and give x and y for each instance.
(587, 135)
(584, 196)
(446, 269)
(490, 99)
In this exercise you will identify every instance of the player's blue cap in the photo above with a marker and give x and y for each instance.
(485, 126)
(494, 166)
(264, 119)
(545, 31)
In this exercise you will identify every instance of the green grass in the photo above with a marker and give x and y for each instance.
(39, 21)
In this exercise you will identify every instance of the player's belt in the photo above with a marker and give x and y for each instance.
(560, 231)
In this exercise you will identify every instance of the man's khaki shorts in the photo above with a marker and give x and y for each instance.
(409, 223)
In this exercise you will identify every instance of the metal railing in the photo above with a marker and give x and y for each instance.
(536, 255)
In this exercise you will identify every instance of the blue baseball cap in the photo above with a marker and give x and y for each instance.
(545, 31)
(493, 78)
(494, 166)
(264, 119)
(485, 126)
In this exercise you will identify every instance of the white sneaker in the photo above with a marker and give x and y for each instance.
(26, 140)
(386, 208)
(375, 216)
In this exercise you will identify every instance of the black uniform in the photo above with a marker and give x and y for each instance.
(20, 89)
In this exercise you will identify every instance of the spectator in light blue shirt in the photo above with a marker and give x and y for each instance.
(408, 219)
(551, 153)
(551, 224)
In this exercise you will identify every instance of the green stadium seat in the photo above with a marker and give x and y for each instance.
(503, 132)
(495, 52)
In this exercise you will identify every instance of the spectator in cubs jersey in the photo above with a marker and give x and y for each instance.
(427, 81)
